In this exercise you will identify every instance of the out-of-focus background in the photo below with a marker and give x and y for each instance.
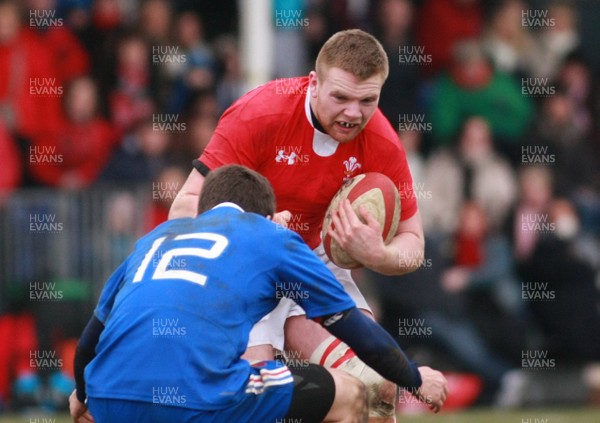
(104, 104)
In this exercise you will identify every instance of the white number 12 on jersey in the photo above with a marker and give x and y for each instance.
(161, 271)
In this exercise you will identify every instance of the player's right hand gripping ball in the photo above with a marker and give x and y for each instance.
(379, 196)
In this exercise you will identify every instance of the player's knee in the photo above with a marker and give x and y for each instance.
(381, 393)
(388, 392)
(351, 397)
(357, 397)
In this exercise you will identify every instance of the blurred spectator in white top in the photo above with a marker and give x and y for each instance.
(556, 39)
(471, 171)
(506, 41)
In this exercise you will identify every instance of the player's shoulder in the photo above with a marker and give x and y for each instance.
(279, 97)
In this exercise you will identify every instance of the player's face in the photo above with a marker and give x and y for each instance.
(343, 103)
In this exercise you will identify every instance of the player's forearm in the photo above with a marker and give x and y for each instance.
(403, 255)
(85, 352)
(375, 347)
(184, 205)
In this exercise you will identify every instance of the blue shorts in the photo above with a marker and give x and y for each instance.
(263, 402)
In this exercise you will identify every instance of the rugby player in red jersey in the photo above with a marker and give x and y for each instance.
(308, 135)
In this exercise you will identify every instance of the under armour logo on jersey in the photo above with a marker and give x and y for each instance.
(290, 155)
(282, 157)
(352, 165)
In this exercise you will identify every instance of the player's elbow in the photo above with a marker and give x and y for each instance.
(411, 260)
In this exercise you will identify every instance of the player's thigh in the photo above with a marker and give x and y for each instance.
(270, 329)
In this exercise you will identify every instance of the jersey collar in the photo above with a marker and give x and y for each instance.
(228, 204)
(323, 144)
(310, 115)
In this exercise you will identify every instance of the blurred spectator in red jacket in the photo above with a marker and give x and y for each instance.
(155, 21)
(130, 100)
(29, 85)
(69, 57)
(441, 23)
(83, 143)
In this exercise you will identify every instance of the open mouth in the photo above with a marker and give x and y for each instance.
(347, 125)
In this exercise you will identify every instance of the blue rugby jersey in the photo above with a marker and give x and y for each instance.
(178, 311)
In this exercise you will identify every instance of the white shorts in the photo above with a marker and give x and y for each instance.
(269, 330)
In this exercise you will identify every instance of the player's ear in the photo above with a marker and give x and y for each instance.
(269, 217)
(312, 83)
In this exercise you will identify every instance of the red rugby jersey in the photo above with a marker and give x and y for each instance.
(270, 130)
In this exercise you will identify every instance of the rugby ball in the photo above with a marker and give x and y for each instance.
(379, 196)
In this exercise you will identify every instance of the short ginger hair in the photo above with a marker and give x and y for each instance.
(354, 51)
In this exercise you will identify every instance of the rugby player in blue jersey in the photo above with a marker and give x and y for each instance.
(166, 339)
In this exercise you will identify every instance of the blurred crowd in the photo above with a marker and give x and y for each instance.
(496, 104)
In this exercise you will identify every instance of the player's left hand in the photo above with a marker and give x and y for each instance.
(79, 411)
(282, 218)
(362, 241)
